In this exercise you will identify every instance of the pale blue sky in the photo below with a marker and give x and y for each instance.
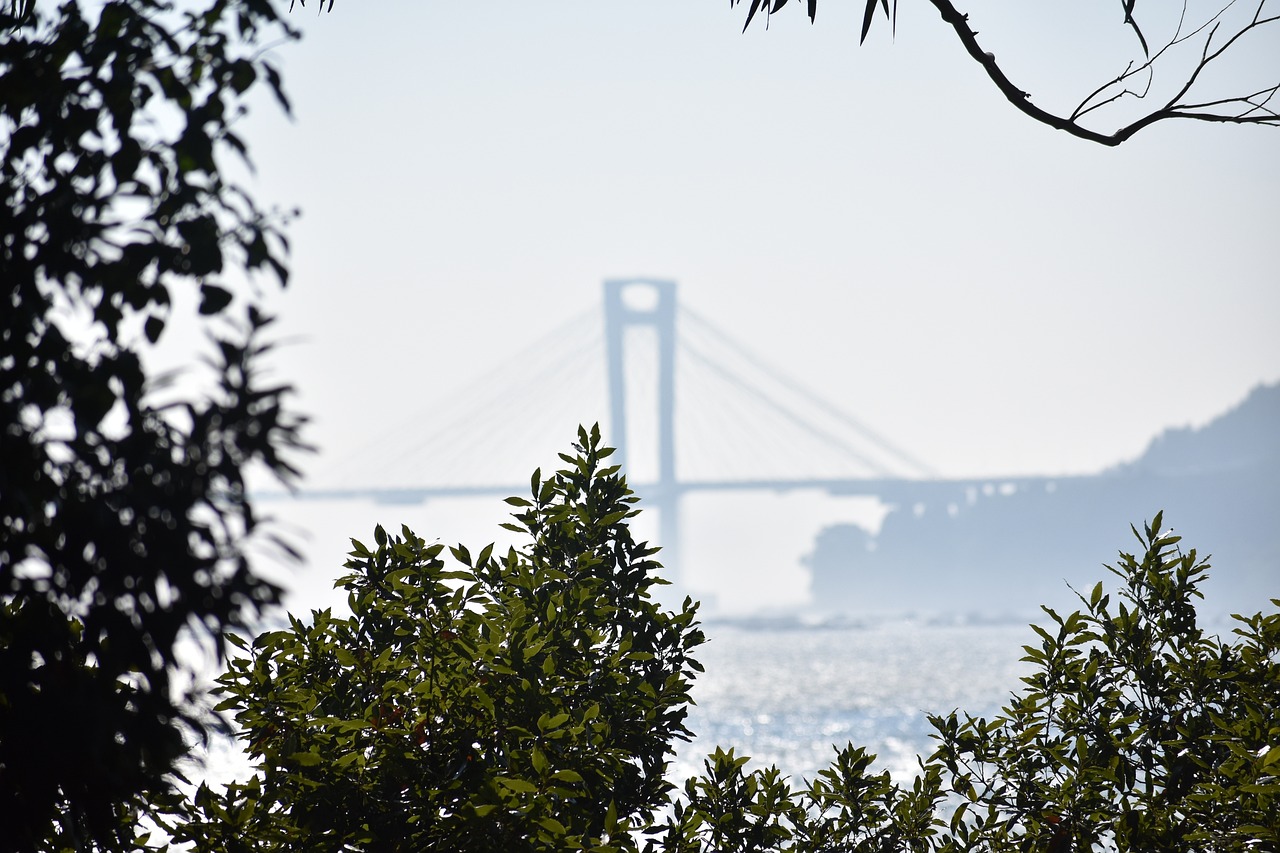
(995, 296)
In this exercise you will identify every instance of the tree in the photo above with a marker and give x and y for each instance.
(847, 808)
(1179, 87)
(1136, 731)
(527, 701)
(125, 518)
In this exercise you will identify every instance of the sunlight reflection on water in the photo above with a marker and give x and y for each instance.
(785, 697)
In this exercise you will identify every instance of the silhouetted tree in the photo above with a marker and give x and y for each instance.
(124, 517)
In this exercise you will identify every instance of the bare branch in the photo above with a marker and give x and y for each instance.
(1136, 81)
(1242, 109)
(1020, 99)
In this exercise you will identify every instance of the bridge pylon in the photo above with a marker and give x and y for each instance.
(646, 302)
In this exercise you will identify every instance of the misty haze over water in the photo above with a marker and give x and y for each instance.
(1003, 551)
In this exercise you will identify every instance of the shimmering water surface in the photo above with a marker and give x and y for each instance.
(786, 696)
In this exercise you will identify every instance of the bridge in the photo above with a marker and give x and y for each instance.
(689, 409)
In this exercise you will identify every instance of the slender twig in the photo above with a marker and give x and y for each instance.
(1148, 66)
(1268, 92)
(1083, 110)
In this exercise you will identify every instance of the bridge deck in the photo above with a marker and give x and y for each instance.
(889, 489)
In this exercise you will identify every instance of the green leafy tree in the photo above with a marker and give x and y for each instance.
(124, 517)
(526, 701)
(1157, 84)
(1136, 731)
(848, 807)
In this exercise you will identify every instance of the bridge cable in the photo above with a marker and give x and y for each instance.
(460, 431)
(802, 391)
(774, 405)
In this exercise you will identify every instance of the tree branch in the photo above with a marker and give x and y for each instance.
(1238, 109)
(1232, 110)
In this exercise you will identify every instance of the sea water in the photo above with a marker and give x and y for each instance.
(789, 696)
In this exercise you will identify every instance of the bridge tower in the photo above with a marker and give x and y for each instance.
(643, 302)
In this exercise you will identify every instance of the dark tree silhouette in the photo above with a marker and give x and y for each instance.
(124, 515)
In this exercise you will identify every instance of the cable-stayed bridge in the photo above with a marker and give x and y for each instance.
(689, 409)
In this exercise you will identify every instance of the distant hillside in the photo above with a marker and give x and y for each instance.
(1245, 437)
(994, 554)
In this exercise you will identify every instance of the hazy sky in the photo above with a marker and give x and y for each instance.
(995, 296)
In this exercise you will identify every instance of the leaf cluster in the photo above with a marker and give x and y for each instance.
(521, 701)
(1136, 730)
(890, 10)
(848, 807)
(123, 518)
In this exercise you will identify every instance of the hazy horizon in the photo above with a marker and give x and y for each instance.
(995, 297)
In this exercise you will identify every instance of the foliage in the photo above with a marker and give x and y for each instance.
(848, 807)
(1209, 37)
(124, 509)
(1136, 731)
(519, 702)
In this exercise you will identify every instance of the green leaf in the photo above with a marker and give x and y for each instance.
(547, 722)
(552, 825)
(519, 786)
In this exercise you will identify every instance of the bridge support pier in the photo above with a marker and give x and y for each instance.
(647, 302)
